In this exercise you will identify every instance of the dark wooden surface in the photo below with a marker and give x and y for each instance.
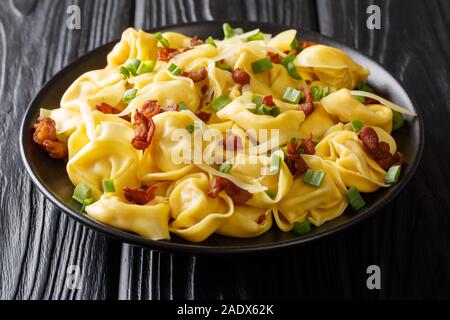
(409, 239)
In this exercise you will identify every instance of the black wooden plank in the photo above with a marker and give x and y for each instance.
(410, 239)
(147, 274)
(37, 242)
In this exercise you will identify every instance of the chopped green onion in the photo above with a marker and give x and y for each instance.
(355, 199)
(108, 185)
(392, 175)
(292, 95)
(229, 32)
(81, 192)
(265, 109)
(223, 66)
(356, 125)
(363, 86)
(295, 45)
(225, 167)
(302, 227)
(397, 120)
(182, 106)
(316, 92)
(257, 100)
(133, 65)
(86, 202)
(124, 72)
(275, 163)
(262, 65)
(271, 194)
(211, 41)
(164, 42)
(174, 69)
(220, 102)
(326, 91)
(191, 127)
(292, 71)
(129, 95)
(146, 66)
(257, 36)
(314, 177)
(289, 58)
(275, 111)
(360, 98)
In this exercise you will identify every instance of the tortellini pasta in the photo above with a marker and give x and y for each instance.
(158, 148)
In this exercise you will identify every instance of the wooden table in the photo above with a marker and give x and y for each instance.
(409, 239)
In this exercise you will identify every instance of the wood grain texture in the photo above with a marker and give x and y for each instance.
(409, 240)
(37, 242)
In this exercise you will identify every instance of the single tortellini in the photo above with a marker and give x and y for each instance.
(109, 155)
(332, 66)
(93, 87)
(346, 153)
(343, 105)
(133, 44)
(195, 214)
(170, 155)
(318, 204)
(150, 221)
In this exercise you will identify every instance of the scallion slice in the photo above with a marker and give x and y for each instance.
(164, 42)
(275, 163)
(129, 95)
(191, 127)
(124, 72)
(86, 202)
(356, 125)
(289, 58)
(182, 106)
(392, 174)
(360, 98)
(229, 32)
(302, 227)
(108, 185)
(292, 71)
(225, 167)
(211, 41)
(326, 91)
(146, 67)
(262, 65)
(271, 194)
(397, 120)
(174, 69)
(256, 36)
(220, 102)
(275, 111)
(314, 177)
(223, 66)
(363, 86)
(295, 45)
(316, 92)
(292, 95)
(257, 100)
(81, 192)
(133, 65)
(354, 198)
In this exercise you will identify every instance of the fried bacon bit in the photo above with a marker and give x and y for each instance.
(268, 101)
(308, 146)
(150, 108)
(308, 106)
(261, 219)
(204, 116)
(197, 75)
(237, 194)
(379, 150)
(106, 108)
(141, 195)
(232, 142)
(143, 132)
(240, 76)
(274, 57)
(173, 107)
(305, 44)
(196, 41)
(297, 166)
(45, 136)
(165, 54)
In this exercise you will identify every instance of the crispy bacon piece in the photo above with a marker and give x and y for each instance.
(240, 76)
(151, 108)
(237, 194)
(165, 54)
(197, 75)
(106, 108)
(379, 150)
(232, 142)
(308, 146)
(204, 116)
(45, 136)
(274, 57)
(308, 106)
(196, 41)
(268, 101)
(141, 195)
(173, 107)
(297, 166)
(143, 132)
(305, 44)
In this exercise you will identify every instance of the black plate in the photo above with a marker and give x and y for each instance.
(51, 178)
